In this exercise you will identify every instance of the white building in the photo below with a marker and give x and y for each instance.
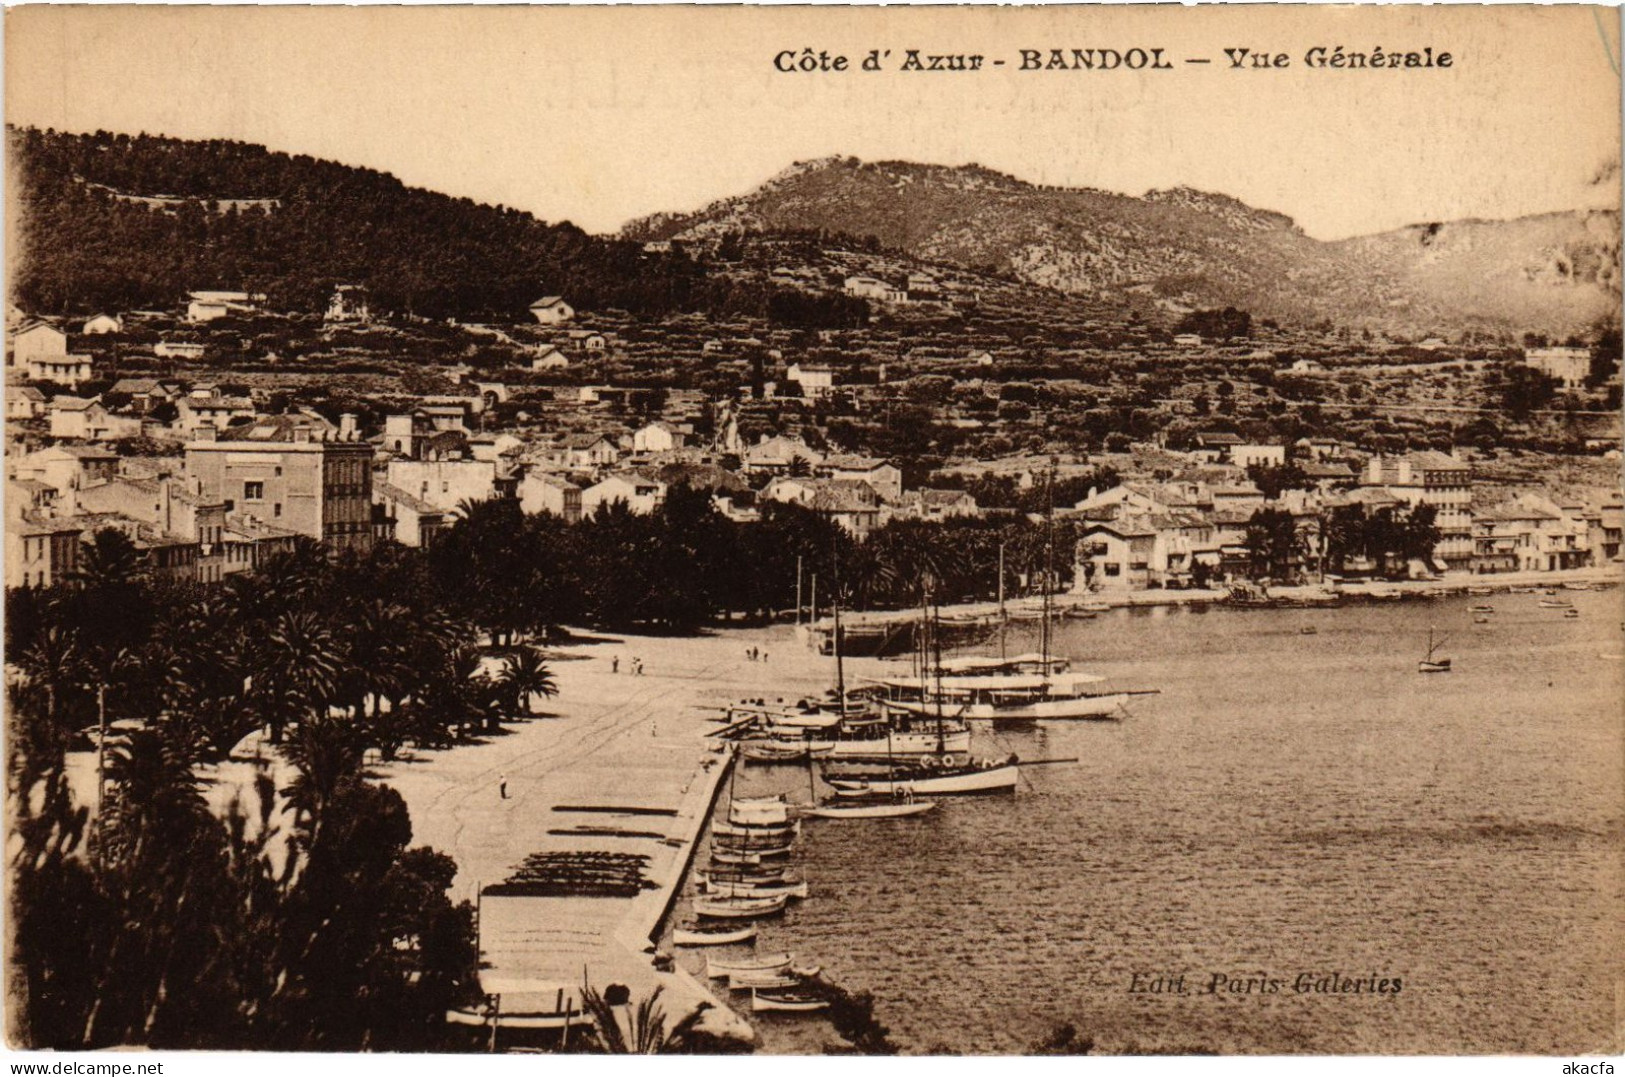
(875, 288)
(641, 493)
(207, 306)
(815, 380)
(103, 323)
(1259, 455)
(67, 370)
(1567, 365)
(37, 340)
(552, 310)
(658, 437)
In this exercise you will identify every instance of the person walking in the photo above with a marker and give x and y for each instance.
(615, 664)
(502, 786)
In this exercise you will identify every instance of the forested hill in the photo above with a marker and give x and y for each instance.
(117, 222)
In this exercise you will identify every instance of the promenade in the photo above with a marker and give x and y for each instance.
(610, 739)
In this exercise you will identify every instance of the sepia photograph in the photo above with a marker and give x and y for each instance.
(804, 531)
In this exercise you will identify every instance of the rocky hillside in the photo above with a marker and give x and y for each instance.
(1182, 249)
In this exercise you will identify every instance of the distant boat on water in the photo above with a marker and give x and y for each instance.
(1431, 663)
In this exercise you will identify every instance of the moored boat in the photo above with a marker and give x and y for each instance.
(698, 935)
(787, 1001)
(796, 890)
(718, 967)
(1431, 663)
(870, 811)
(740, 908)
(984, 777)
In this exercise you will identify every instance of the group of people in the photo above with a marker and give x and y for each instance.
(635, 667)
(755, 654)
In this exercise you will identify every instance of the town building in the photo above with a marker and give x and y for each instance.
(1444, 482)
(540, 491)
(349, 303)
(778, 455)
(88, 420)
(1258, 455)
(816, 380)
(1187, 340)
(24, 402)
(874, 288)
(552, 310)
(101, 324)
(883, 477)
(218, 412)
(37, 340)
(642, 494)
(1569, 366)
(280, 470)
(208, 305)
(67, 469)
(404, 518)
(179, 349)
(548, 357)
(447, 481)
(657, 437)
(67, 370)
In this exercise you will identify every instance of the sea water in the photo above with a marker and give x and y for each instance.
(1292, 808)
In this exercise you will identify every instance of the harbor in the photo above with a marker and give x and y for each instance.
(1224, 804)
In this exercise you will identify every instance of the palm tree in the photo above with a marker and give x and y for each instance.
(525, 675)
(296, 670)
(646, 1026)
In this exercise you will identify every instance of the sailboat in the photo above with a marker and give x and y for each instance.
(904, 803)
(1027, 688)
(1431, 663)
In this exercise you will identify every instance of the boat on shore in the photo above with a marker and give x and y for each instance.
(699, 935)
(1554, 603)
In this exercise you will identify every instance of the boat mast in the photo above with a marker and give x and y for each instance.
(840, 665)
(1003, 625)
(1049, 568)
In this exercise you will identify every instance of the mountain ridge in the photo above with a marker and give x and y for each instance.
(1187, 248)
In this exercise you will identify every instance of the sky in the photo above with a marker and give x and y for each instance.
(598, 116)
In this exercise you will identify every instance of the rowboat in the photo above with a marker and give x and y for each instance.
(1572, 613)
(764, 830)
(1094, 606)
(787, 1001)
(1481, 590)
(762, 889)
(717, 968)
(758, 846)
(1576, 586)
(722, 856)
(741, 908)
(1555, 604)
(1481, 609)
(988, 779)
(773, 753)
(533, 1008)
(870, 811)
(754, 981)
(699, 936)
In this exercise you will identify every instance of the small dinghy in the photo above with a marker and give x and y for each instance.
(741, 908)
(717, 968)
(699, 935)
(787, 1002)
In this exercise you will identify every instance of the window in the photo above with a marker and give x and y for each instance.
(276, 509)
(253, 491)
(230, 505)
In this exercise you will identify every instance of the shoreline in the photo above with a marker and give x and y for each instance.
(1066, 601)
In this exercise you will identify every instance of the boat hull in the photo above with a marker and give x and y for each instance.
(740, 908)
(996, 780)
(1072, 708)
(871, 811)
(689, 937)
